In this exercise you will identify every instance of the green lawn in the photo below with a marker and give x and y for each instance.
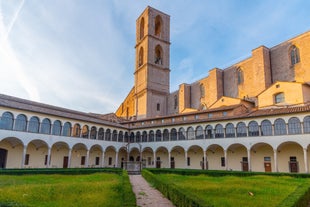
(99, 189)
(234, 191)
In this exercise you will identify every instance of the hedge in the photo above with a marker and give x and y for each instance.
(128, 196)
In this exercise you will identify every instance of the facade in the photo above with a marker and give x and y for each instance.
(251, 116)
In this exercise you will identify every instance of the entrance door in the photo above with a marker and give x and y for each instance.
(172, 163)
(3, 154)
(65, 164)
(267, 166)
(293, 164)
(245, 164)
(158, 162)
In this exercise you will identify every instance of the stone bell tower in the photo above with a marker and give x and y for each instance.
(152, 63)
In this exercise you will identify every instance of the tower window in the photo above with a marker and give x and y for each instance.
(158, 107)
(158, 55)
(279, 98)
(140, 57)
(158, 25)
(202, 91)
(142, 28)
(240, 76)
(294, 53)
(175, 101)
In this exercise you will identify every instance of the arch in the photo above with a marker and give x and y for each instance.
(56, 128)
(190, 133)
(174, 134)
(79, 155)
(166, 135)
(158, 135)
(237, 157)
(158, 25)
(95, 155)
(279, 127)
(151, 136)
(141, 28)
(66, 131)
(85, 131)
(230, 130)
(138, 136)
(45, 126)
(114, 136)
(37, 153)
(7, 120)
(132, 137)
(93, 132)
(294, 55)
(144, 136)
(76, 131)
(290, 157)
(241, 129)
(266, 128)
(108, 135)
(60, 155)
(126, 137)
(306, 124)
(158, 55)
(182, 134)
(141, 57)
(101, 134)
(219, 131)
(21, 123)
(209, 132)
(120, 136)
(262, 157)
(199, 132)
(294, 126)
(34, 124)
(195, 157)
(253, 129)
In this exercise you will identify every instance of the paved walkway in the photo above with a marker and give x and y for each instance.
(146, 195)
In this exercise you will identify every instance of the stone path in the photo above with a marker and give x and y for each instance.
(146, 195)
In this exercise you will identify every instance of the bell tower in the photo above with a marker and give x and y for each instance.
(152, 63)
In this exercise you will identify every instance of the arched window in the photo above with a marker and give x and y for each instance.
(76, 132)
(120, 136)
(202, 91)
(85, 131)
(93, 132)
(173, 134)
(21, 123)
(219, 131)
(45, 126)
(176, 101)
(158, 25)
(34, 124)
(307, 124)
(241, 129)
(199, 132)
(158, 55)
(66, 129)
(279, 98)
(253, 129)
(144, 136)
(279, 127)
(108, 135)
(141, 53)
(101, 134)
(151, 136)
(126, 137)
(141, 28)
(6, 121)
(266, 128)
(166, 135)
(132, 137)
(190, 133)
(182, 133)
(294, 126)
(114, 137)
(56, 127)
(239, 76)
(209, 132)
(158, 136)
(294, 53)
(138, 137)
(230, 130)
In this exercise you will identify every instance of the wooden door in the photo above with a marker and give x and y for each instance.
(3, 154)
(65, 163)
(172, 163)
(158, 162)
(293, 167)
(267, 166)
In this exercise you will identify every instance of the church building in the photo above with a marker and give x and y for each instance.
(251, 116)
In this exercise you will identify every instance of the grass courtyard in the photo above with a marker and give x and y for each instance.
(98, 189)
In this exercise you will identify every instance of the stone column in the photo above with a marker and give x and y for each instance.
(154, 157)
(306, 161)
(169, 159)
(69, 158)
(249, 160)
(275, 160)
(185, 155)
(205, 159)
(23, 157)
(102, 159)
(226, 160)
(116, 159)
(48, 158)
(87, 158)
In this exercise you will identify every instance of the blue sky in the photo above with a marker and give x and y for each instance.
(79, 54)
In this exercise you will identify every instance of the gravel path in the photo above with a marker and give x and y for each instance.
(146, 195)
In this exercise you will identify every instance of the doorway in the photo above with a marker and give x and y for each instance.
(172, 163)
(245, 164)
(3, 156)
(66, 161)
(158, 162)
